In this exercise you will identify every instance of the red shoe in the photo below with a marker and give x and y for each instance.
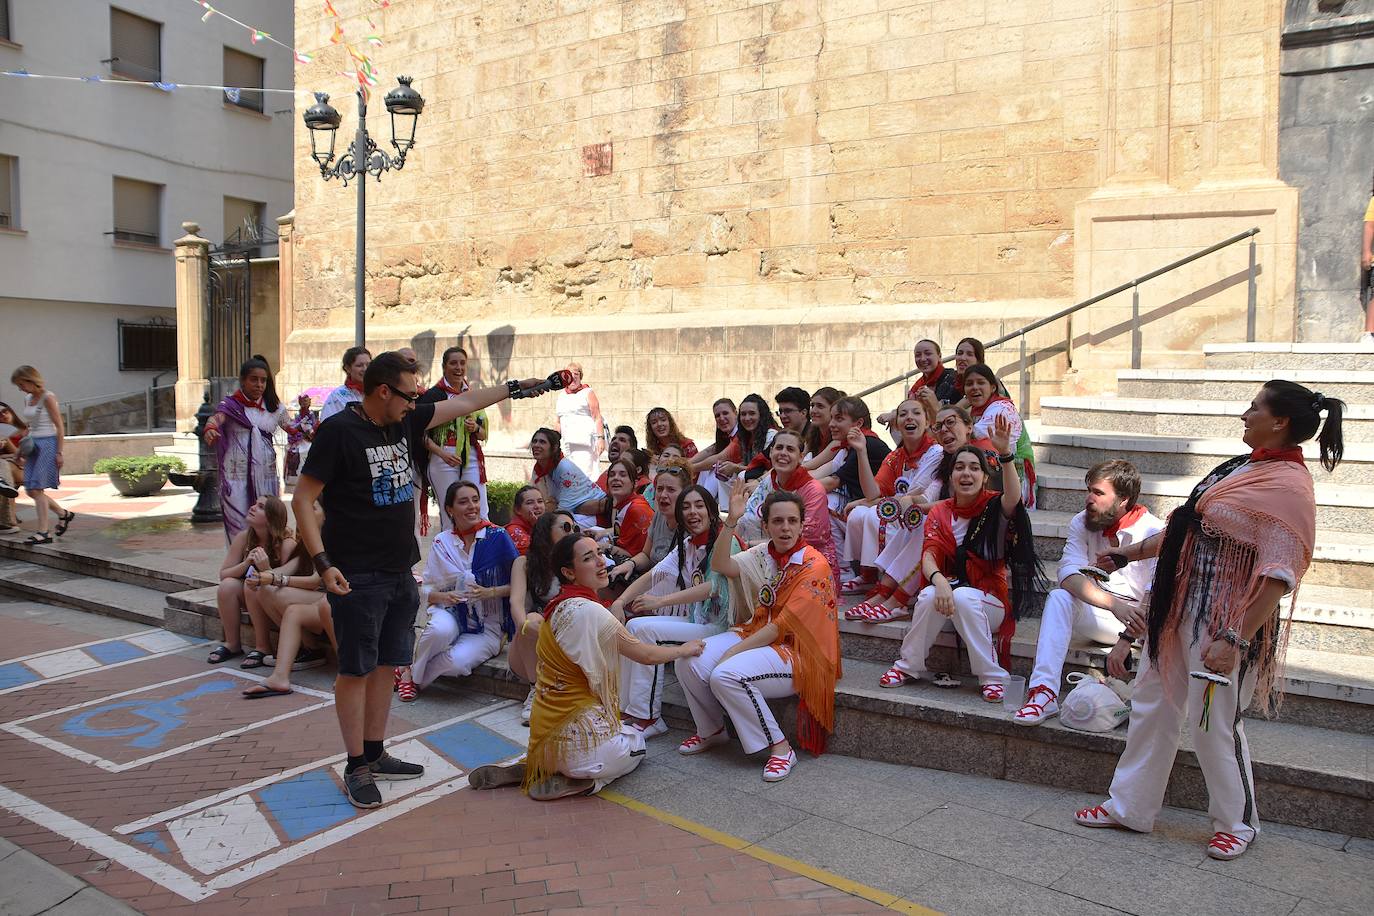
(407, 690)
(1227, 846)
(879, 613)
(853, 586)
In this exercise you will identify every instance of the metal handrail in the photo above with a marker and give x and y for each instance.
(1134, 286)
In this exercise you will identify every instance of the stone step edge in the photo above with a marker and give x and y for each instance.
(1330, 687)
(51, 593)
(1125, 443)
(1170, 406)
(56, 556)
(1283, 347)
(1320, 376)
(849, 695)
(1068, 477)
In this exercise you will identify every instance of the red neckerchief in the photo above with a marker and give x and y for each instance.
(243, 399)
(570, 590)
(574, 387)
(443, 383)
(794, 482)
(978, 411)
(523, 525)
(781, 559)
(543, 469)
(928, 381)
(700, 540)
(1133, 515)
(1292, 453)
(908, 459)
(624, 500)
(481, 523)
(355, 386)
(975, 508)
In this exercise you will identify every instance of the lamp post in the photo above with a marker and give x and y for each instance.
(363, 158)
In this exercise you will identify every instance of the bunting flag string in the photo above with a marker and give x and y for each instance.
(364, 70)
(255, 35)
(232, 91)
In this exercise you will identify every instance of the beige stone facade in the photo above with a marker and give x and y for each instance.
(590, 174)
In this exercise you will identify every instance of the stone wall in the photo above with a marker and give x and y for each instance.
(1325, 150)
(610, 164)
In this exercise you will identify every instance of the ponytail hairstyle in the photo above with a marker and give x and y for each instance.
(269, 394)
(1303, 407)
(681, 536)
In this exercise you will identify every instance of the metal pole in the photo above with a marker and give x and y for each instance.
(360, 245)
(1025, 380)
(1250, 317)
(1135, 326)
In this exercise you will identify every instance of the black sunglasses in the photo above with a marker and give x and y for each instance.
(410, 398)
(572, 528)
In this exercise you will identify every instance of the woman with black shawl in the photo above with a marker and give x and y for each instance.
(978, 570)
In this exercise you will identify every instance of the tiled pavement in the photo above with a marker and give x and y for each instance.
(185, 798)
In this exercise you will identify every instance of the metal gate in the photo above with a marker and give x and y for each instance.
(230, 325)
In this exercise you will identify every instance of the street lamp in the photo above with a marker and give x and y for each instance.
(363, 158)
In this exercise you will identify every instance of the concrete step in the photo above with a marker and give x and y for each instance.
(1178, 455)
(161, 572)
(1285, 359)
(1175, 417)
(1354, 386)
(1323, 689)
(75, 590)
(1307, 776)
(1340, 507)
(1344, 559)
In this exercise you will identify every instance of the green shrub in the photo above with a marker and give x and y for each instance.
(501, 497)
(133, 467)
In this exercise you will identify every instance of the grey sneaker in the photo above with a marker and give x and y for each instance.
(388, 767)
(362, 788)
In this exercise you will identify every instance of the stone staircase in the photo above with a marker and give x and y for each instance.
(1312, 762)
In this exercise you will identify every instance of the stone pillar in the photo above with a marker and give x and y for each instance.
(192, 297)
(1137, 89)
(285, 271)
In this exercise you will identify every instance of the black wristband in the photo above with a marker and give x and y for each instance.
(1006, 459)
(321, 561)
(512, 388)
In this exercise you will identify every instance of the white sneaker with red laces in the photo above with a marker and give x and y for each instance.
(779, 768)
(1227, 846)
(1096, 816)
(1037, 711)
(696, 744)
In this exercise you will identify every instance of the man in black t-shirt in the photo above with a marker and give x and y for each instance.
(359, 468)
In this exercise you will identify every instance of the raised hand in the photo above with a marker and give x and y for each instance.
(855, 439)
(737, 500)
(1000, 434)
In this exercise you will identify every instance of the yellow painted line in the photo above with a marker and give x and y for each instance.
(819, 875)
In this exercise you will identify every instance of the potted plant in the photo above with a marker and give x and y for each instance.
(138, 475)
(501, 500)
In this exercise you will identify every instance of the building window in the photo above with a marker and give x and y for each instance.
(243, 222)
(147, 346)
(5, 20)
(137, 211)
(9, 192)
(135, 46)
(243, 71)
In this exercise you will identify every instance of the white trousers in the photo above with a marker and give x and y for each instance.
(609, 760)
(641, 686)
(1159, 702)
(1066, 618)
(901, 558)
(836, 503)
(739, 686)
(441, 477)
(861, 536)
(976, 615)
(580, 454)
(441, 650)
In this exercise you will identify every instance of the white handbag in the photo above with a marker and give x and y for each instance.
(1092, 706)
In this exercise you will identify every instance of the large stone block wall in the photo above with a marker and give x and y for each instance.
(610, 163)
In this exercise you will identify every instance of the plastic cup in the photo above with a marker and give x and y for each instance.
(1014, 693)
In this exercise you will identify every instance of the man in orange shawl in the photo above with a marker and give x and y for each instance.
(1242, 540)
(789, 647)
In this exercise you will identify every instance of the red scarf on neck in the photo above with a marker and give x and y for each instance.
(481, 523)
(353, 386)
(928, 380)
(443, 383)
(1292, 453)
(700, 540)
(794, 482)
(243, 399)
(975, 508)
(781, 558)
(910, 459)
(543, 469)
(1131, 516)
(978, 411)
(570, 590)
(574, 387)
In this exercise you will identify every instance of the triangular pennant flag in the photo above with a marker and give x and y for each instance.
(302, 58)
(166, 87)
(209, 11)
(259, 36)
(373, 40)
(329, 8)
(354, 53)
(338, 34)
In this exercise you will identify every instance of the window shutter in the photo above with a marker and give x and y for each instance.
(136, 46)
(245, 71)
(8, 218)
(136, 206)
(5, 19)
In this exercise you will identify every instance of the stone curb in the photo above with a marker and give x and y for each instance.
(30, 886)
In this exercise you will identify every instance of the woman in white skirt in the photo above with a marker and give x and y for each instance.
(580, 424)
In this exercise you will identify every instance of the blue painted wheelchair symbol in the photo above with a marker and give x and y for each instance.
(161, 717)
